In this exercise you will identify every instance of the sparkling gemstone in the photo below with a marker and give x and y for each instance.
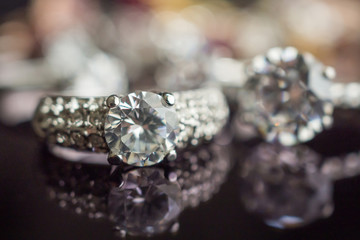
(286, 96)
(142, 129)
(284, 186)
(147, 203)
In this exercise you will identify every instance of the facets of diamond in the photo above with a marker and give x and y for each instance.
(284, 186)
(147, 203)
(141, 129)
(286, 96)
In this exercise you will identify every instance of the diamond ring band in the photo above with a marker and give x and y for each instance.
(139, 129)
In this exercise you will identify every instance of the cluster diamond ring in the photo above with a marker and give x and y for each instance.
(138, 129)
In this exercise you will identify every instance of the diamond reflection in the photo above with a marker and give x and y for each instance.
(144, 201)
(284, 186)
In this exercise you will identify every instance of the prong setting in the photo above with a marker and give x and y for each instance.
(169, 99)
(114, 159)
(116, 177)
(329, 73)
(172, 155)
(112, 101)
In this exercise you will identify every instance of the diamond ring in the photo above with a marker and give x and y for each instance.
(139, 129)
(287, 96)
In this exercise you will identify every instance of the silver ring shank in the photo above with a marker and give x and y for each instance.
(78, 123)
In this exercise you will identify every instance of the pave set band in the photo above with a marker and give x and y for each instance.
(139, 129)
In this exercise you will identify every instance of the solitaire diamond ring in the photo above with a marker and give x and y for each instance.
(139, 129)
(287, 96)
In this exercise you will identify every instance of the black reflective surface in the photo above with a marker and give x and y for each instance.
(27, 212)
(139, 201)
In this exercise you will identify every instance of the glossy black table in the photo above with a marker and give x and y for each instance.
(26, 212)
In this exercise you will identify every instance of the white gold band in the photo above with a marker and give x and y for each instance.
(79, 122)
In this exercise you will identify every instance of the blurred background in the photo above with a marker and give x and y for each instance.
(89, 48)
(145, 35)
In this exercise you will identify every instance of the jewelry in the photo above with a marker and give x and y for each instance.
(139, 129)
(131, 199)
(289, 96)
